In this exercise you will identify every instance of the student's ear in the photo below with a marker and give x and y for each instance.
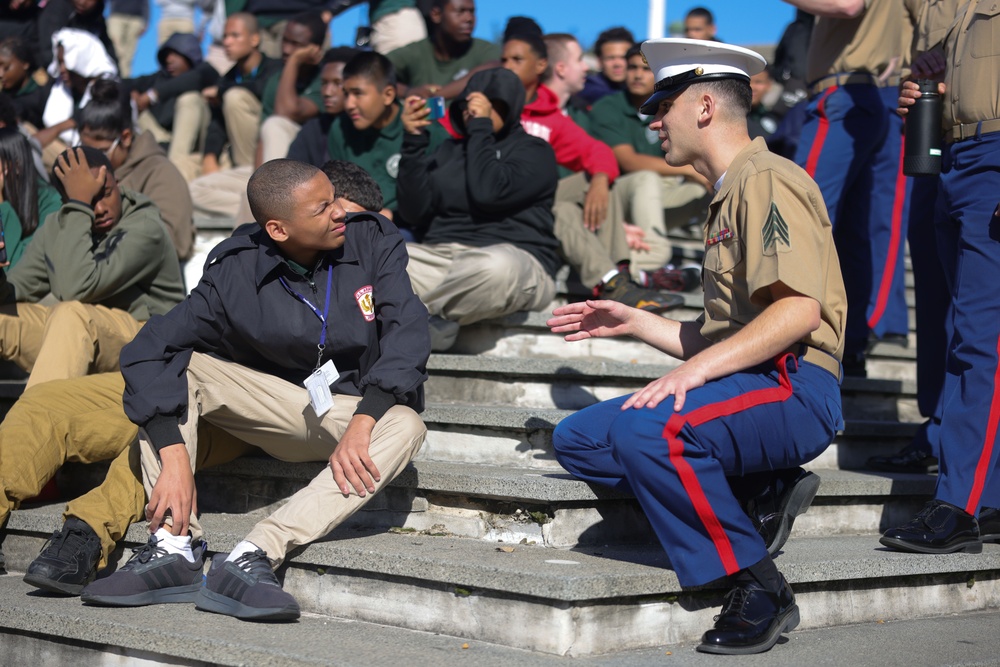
(436, 15)
(388, 95)
(255, 40)
(276, 230)
(127, 137)
(541, 66)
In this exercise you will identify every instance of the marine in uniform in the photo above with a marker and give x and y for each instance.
(758, 392)
(963, 513)
(851, 145)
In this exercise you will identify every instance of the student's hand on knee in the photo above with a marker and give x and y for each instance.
(174, 491)
(350, 462)
(676, 383)
(595, 204)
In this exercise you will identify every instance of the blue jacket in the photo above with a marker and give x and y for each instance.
(241, 312)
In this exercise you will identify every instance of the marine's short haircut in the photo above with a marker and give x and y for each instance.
(249, 21)
(634, 50)
(338, 54)
(315, 24)
(95, 160)
(355, 184)
(557, 44)
(701, 13)
(373, 66)
(534, 42)
(271, 188)
(616, 34)
(735, 94)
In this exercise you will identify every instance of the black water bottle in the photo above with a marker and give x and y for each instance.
(922, 156)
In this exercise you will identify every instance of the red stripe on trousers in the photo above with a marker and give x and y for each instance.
(820, 138)
(889, 270)
(689, 480)
(983, 466)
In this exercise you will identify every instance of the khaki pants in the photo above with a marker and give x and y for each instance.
(276, 136)
(241, 110)
(221, 195)
(81, 420)
(125, 31)
(187, 136)
(465, 284)
(399, 28)
(591, 254)
(166, 27)
(275, 416)
(70, 339)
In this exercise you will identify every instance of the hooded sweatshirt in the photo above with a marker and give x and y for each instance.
(486, 188)
(575, 149)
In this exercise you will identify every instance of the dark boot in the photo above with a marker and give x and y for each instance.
(68, 561)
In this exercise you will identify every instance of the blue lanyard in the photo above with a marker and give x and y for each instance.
(322, 316)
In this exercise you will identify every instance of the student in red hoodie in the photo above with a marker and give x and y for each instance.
(591, 243)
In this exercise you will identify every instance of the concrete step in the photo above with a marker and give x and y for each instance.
(584, 601)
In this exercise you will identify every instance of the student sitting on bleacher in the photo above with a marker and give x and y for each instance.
(106, 257)
(309, 144)
(485, 202)
(138, 161)
(25, 199)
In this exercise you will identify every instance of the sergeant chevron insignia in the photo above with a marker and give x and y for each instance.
(774, 231)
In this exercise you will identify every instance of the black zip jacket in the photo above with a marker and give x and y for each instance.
(241, 312)
(488, 188)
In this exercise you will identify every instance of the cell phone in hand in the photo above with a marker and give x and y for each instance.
(436, 105)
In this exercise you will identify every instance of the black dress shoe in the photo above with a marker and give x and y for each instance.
(773, 510)
(910, 459)
(989, 525)
(68, 561)
(752, 620)
(939, 528)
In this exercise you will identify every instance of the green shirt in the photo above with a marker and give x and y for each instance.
(379, 8)
(376, 151)
(14, 240)
(416, 64)
(615, 121)
(308, 89)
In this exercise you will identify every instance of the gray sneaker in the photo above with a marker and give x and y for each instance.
(151, 576)
(246, 588)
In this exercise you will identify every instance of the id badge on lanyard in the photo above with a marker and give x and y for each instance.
(319, 381)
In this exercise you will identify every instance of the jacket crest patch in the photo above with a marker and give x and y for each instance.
(365, 302)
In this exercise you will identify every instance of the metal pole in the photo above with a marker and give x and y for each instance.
(657, 19)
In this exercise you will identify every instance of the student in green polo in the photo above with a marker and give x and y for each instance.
(17, 63)
(369, 132)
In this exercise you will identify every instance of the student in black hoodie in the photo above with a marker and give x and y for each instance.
(485, 204)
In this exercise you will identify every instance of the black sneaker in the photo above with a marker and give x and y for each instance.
(151, 576)
(623, 289)
(68, 561)
(246, 588)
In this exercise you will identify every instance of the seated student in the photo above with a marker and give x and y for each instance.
(80, 59)
(441, 64)
(683, 192)
(236, 354)
(591, 242)
(138, 161)
(699, 23)
(485, 204)
(17, 64)
(567, 75)
(106, 257)
(293, 96)
(309, 144)
(236, 100)
(84, 421)
(8, 118)
(25, 199)
(170, 103)
(610, 49)
(83, 15)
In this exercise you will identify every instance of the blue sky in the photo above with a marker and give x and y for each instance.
(743, 22)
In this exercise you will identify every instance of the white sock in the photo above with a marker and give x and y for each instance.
(243, 547)
(609, 275)
(175, 544)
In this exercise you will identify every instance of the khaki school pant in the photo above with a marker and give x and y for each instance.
(275, 415)
(591, 254)
(69, 339)
(187, 136)
(241, 110)
(396, 29)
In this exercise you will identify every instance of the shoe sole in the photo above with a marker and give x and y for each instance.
(972, 547)
(175, 594)
(795, 504)
(993, 538)
(221, 604)
(787, 624)
(52, 586)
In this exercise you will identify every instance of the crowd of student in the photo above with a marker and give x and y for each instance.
(452, 179)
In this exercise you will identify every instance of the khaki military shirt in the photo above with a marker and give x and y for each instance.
(768, 224)
(972, 49)
(936, 18)
(871, 42)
